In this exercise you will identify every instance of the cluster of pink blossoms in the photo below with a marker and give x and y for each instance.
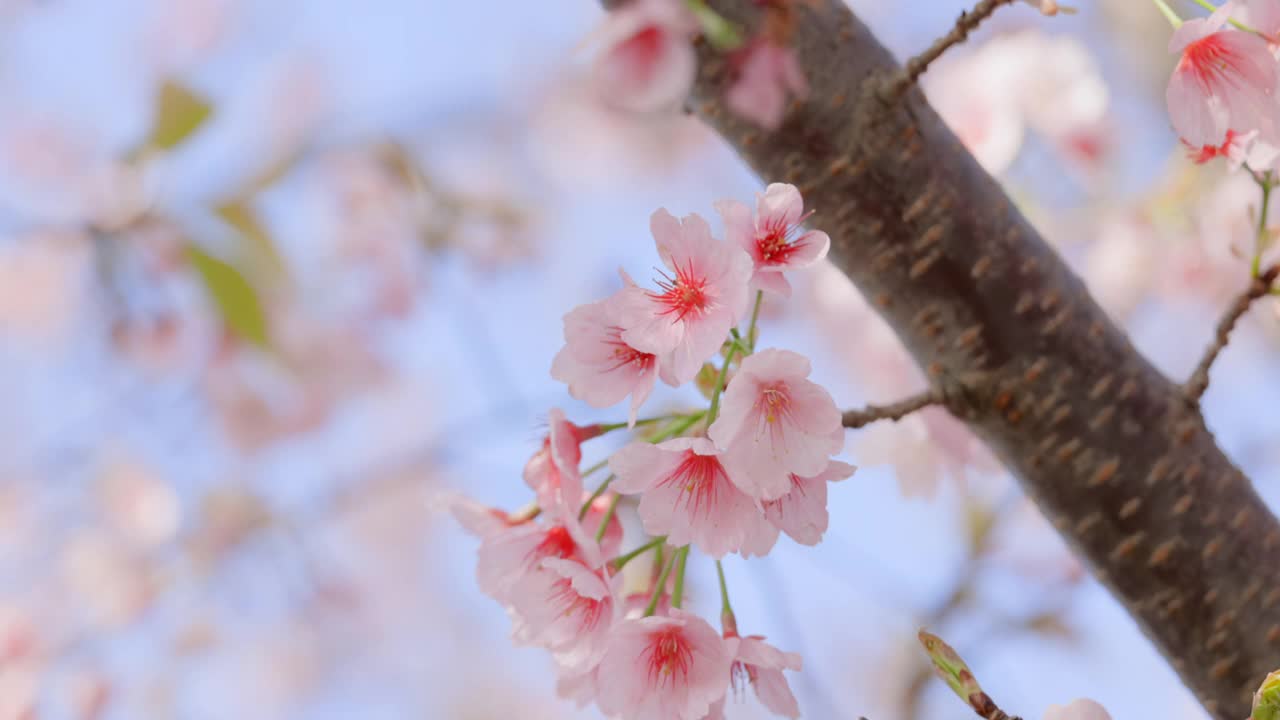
(647, 61)
(729, 479)
(1224, 96)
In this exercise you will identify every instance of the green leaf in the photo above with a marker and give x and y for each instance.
(240, 216)
(235, 298)
(950, 666)
(722, 35)
(179, 113)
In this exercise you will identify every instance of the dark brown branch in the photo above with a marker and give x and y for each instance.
(1259, 288)
(915, 67)
(1111, 450)
(896, 411)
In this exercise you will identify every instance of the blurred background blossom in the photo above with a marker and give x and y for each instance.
(274, 276)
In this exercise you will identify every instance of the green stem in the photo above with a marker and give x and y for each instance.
(610, 427)
(725, 607)
(608, 516)
(660, 586)
(586, 506)
(719, 388)
(677, 593)
(677, 429)
(591, 470)
(1168, 13)
(1259, 243)
(755, 316)
(621, 561)
(1214, 8)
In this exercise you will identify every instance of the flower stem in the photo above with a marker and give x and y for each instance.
(621, 561)
(610, 427)
(608, 515)
(586, 506)
(677, 429)
(719, 388)
(1168, 13)
(1259, 243)
(660, 586)
(677, 593)
(755, 316)
(725, 607)
(1214, 8)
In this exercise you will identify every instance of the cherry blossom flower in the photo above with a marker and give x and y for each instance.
(506, 559)
(1235, 149)
(1082, 709)
(567, 608)
(775, 422)
(768, 74)
(1050, 7)
(774, 239)
(577, 686)
(802, 512)
(663, 668)
(760, 665)
(648, 62)
(689, 497)
(1264, 16)
(687, 319)
(553, 470)
(1225, 81)
(599, 367)
(476, 518)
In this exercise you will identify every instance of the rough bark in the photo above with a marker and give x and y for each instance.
(1114, 453)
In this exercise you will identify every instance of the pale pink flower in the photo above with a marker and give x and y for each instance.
(553, 470)
(767, 76)
(648, 62)
(1082, 709)
(576, 686)
(687, 319)
(802, 512)
(663, 668)
(476, 518)
(506, 559)
(1236, 149)
(760, 665)
(1264, 16)
(1225, 81)
(567, 608)
(774, 239)
(689, 497)
(1050, 7)
(599, 367)
(774, 422)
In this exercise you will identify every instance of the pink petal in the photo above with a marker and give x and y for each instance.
(779, 206)
(772, 281)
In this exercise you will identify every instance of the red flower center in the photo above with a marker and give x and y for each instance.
(556, 543)
(776, 243)
(1210, 60)
(699, 478)
(684, 294)
(624, 354)
(588, 611)
(668, 657)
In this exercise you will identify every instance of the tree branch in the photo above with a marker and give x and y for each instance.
(858, 418)
(1111, 451)
(1260, 287)
(915, 67)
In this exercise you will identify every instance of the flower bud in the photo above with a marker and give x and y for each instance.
(1266, 701)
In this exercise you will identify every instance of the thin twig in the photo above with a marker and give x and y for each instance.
(1260, 287)
(897, 86)
(896, 411)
